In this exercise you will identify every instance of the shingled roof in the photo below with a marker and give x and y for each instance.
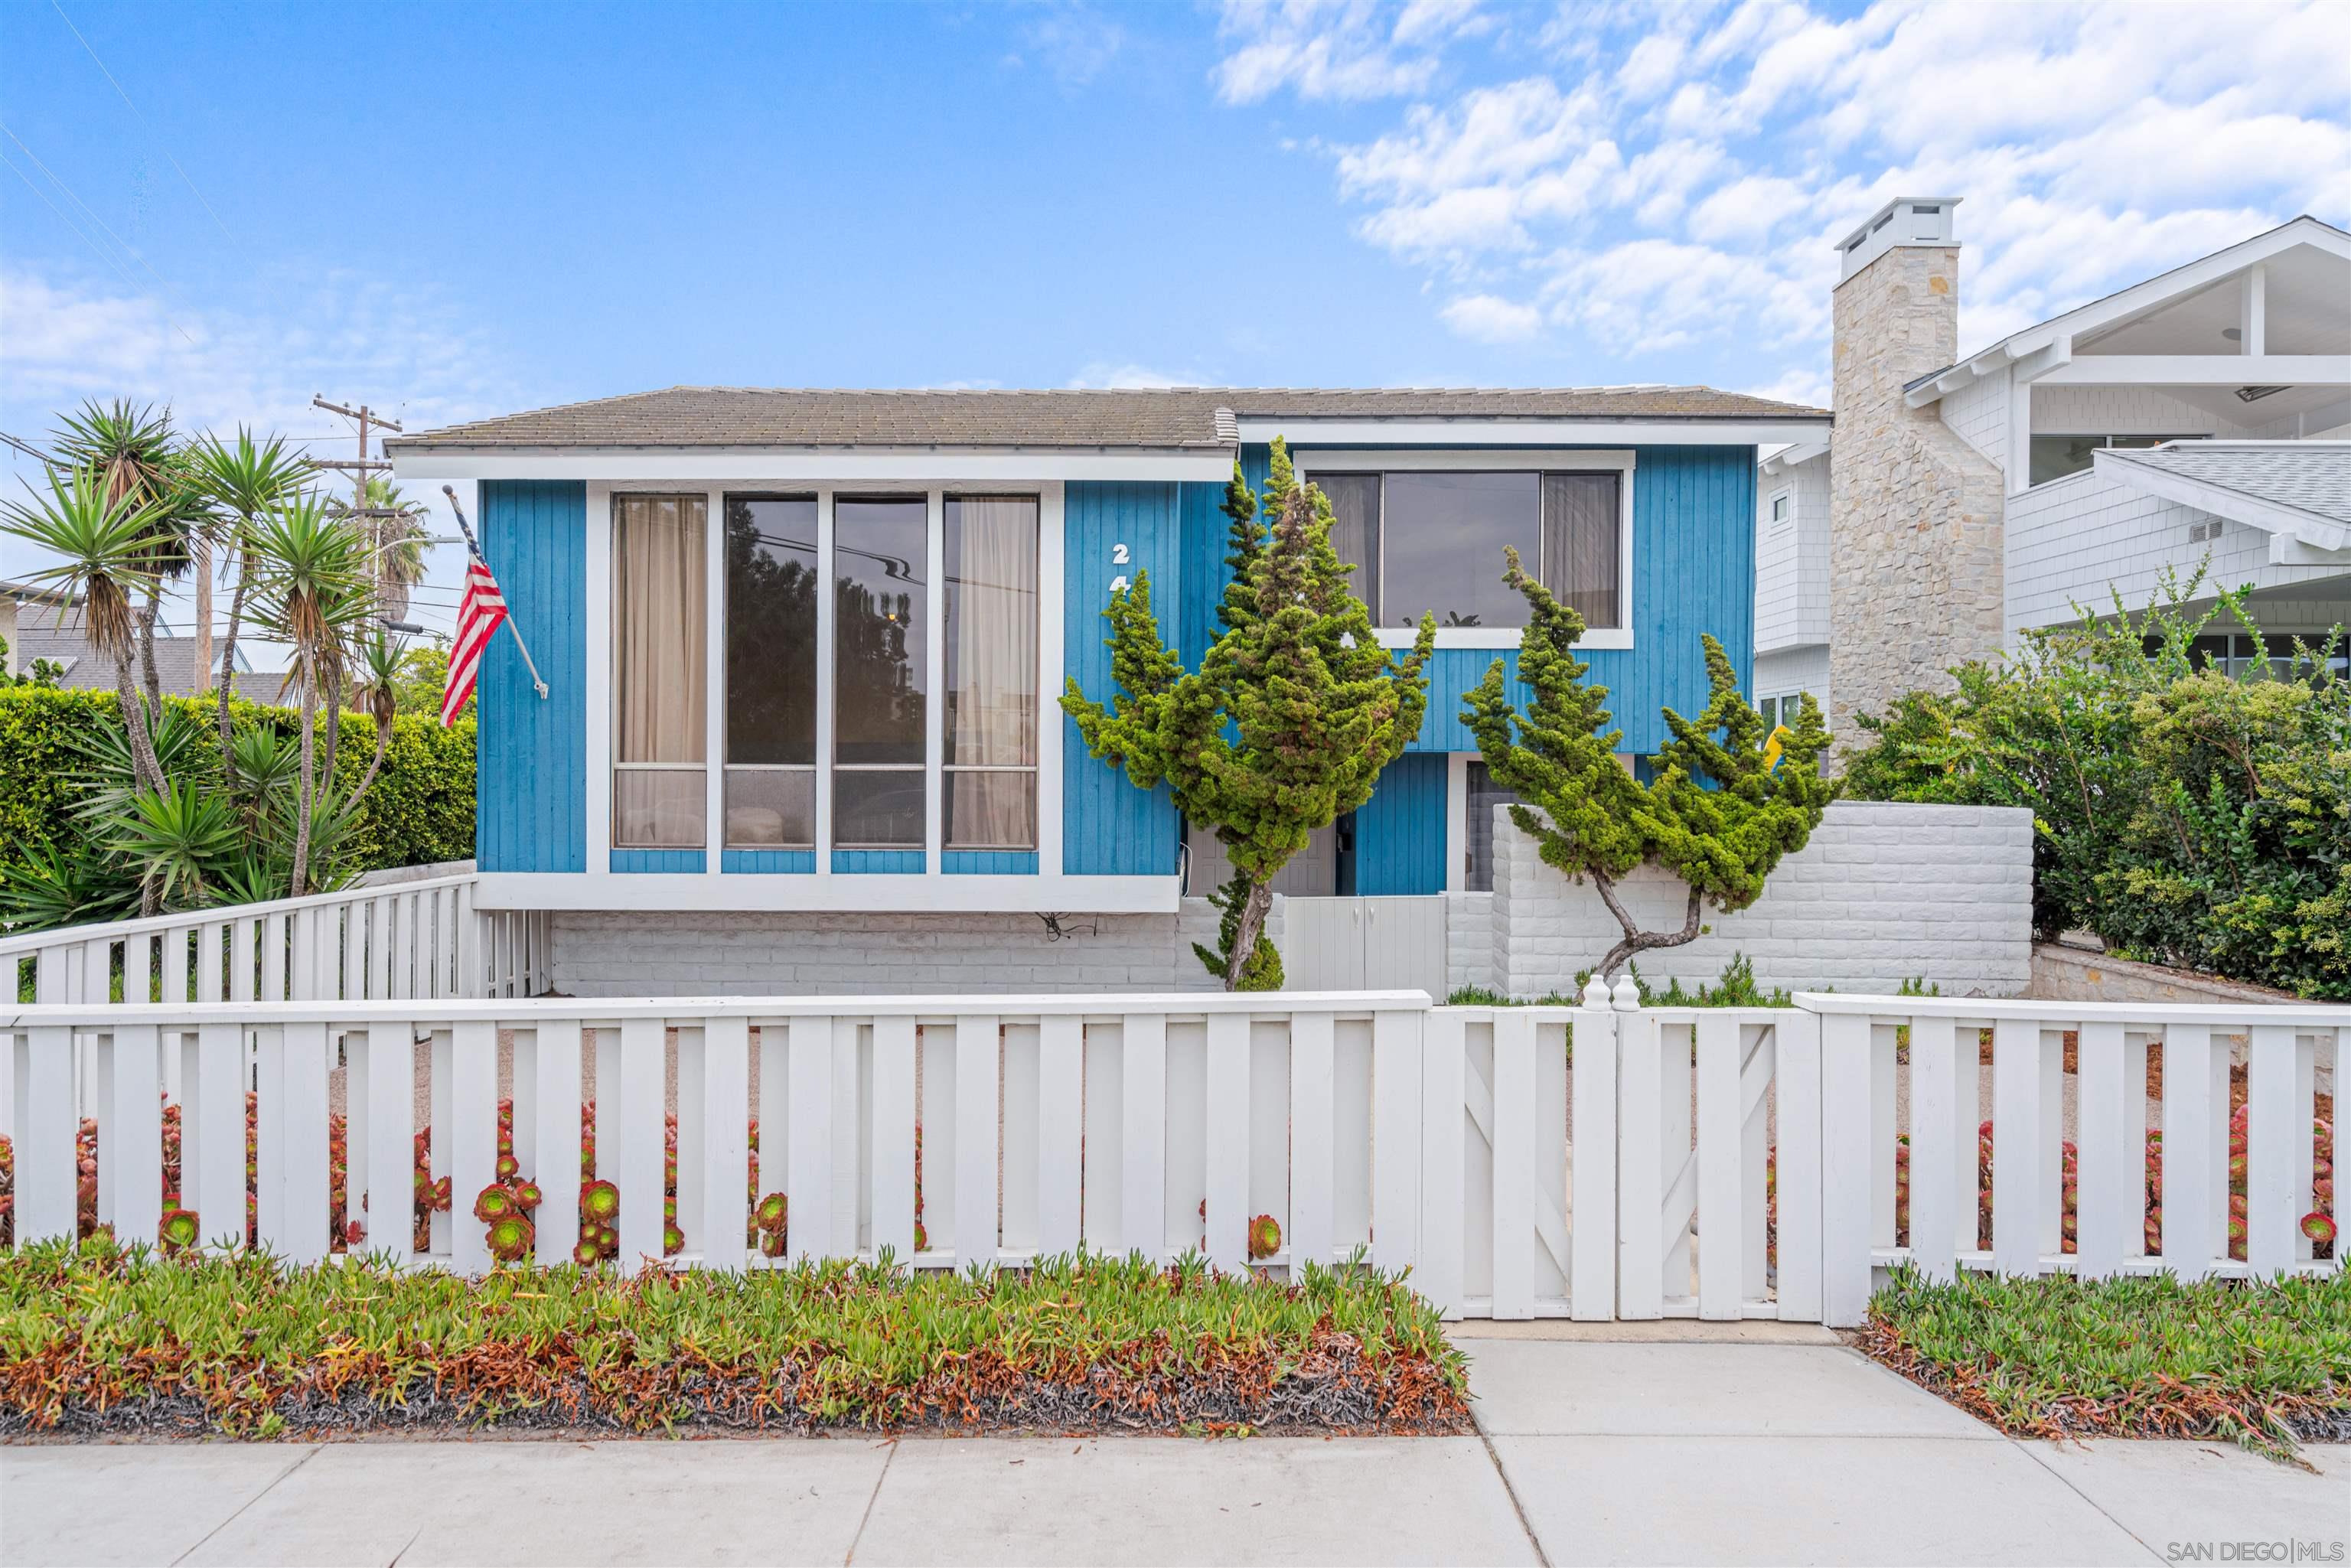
(1156, 419)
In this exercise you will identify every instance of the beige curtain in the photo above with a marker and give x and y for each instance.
(660, 622)
(1581, 544)
(993, 647)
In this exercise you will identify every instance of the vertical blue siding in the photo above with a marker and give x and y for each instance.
(1400, 831)
(768, 862)
(877, 862)
(634, 860)
(532, 769)
(989, 863)
(1109, 828)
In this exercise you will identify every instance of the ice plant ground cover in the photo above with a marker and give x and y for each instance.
(2266, 1366)
(101, 1340)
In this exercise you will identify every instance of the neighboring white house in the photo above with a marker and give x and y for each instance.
(2202, 416)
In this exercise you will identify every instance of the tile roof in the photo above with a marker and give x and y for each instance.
(1172, 418)
(44, 631)
(2313, 477)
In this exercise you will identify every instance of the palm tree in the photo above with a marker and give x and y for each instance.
(136, 455)
(107, 544)
(244, 480)
(382, 660)
(311, 569)
(398, 531)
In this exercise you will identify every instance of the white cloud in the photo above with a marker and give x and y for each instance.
(1336, 48)
(1074, 42)
(1112, 375)
(1491, 319)
(1674, 183)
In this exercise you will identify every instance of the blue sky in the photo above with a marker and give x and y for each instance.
(454, 210)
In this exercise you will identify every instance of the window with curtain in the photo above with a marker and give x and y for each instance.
(771, 647)
(990, 758)
(880, 621)
(660, 685)
(1433, 539)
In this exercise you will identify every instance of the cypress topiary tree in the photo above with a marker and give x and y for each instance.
(1726, 801)
(1286, 725)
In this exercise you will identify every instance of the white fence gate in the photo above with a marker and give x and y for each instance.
(1522, 1162)
(1349, 943)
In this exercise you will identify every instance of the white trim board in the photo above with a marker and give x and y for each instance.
(947, 465)
(2120, 465)
(895, 893)
(1547, 433)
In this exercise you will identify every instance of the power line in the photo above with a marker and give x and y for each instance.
(59, 181)
(103, 253)
(143, 121)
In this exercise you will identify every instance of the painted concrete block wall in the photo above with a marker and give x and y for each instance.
(2084, 539)
(1882, 893)
(1469, 939)
(642, 954)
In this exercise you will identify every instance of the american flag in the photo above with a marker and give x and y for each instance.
(480, 614)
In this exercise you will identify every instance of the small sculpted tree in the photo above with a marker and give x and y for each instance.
(1285, 727)
(1725, 801)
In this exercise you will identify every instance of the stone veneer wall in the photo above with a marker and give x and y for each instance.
(1914, 512)
(608, 953)
(1882, 893)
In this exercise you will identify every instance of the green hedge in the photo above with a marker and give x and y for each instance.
(419, 811)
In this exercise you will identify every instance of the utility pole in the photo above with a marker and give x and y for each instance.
(365, 416)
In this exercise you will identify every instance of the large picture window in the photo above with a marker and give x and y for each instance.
(660, 671)
(772, 660)
(991, 672)
(1431, 540)
(881, 626)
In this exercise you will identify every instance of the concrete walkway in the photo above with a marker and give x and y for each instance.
(1684, 1445)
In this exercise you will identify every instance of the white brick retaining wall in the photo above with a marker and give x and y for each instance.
(1882, 893)
(667, 954)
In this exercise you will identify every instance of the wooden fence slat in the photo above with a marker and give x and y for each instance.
(2277, 1146)
(811, 1192)
(632, 1129)
(893, 1136)
(2016, 1135)
(1846, 1164)
(211, 977)
(719, 1231)
(1592, 1236)
(1314, 1157)
(1060, 1133)
(442, 1054)
(1936, 1195)
(978, 1053)
(1143, 1124)
(45, 1175)
(303, 1125)
(134, 1124)
(1640, 1274)
(1228, 1140)
(2049, 1144)
(474, 1148)
(1444, 1069)
(270, 1216)
(1395, 1136)
(137, 970)
(2191, 1242)
(213, 1170)
(1514, 1163)
(555, 1067)
(1720, 1205)
(175, 967)
(2107, 1218)
(391, 1113)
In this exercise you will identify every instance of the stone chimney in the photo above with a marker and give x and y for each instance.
(1914, 512)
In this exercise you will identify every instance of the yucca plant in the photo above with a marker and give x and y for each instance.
(180, 840)
(106, 545)
(136, 456)
(242, 481)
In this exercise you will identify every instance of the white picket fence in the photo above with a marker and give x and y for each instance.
(399, 940)
(1596, 1161)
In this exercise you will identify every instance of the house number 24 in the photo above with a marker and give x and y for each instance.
(1118, 557)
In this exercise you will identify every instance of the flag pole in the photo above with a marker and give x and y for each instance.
(475, 550)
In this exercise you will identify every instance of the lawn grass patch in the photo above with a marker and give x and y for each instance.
(100, 1339)
(2263, 1365)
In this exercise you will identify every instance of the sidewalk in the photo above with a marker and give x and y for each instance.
(1691, 1446)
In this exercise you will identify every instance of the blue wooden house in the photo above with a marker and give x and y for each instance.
(802, 648)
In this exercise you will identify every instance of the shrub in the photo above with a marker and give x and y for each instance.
(2184, 816)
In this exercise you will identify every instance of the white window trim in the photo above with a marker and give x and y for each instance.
(799, 890)
(1773, 519)
(1537, 461)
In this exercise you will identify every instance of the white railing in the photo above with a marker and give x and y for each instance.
(1600, 1162)
(421, 939)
